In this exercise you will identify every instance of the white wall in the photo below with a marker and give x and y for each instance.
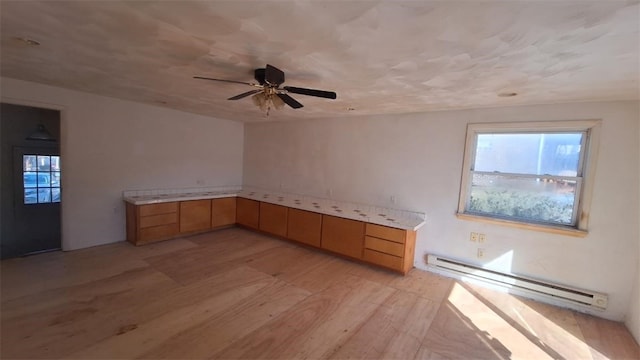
(632, 318)
(417, 158)
(110, 145)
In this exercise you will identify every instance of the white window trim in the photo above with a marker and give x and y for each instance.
(592, 127)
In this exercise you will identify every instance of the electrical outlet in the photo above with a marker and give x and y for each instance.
(480, 253)
(482, 238)
(474, 237)
(393, 199)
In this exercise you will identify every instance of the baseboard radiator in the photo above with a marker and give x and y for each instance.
(526, 285)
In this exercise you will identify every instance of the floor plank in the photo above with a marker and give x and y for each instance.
(315, 326)
(239, 294)
(394, 331)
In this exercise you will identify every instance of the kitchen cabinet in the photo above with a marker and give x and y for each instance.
(304, 226)
(151, 222)
(195, 216)
(384, 246)
(342, 236)
(389, 247)
(248, 213)
(223, 212)
(273, 219)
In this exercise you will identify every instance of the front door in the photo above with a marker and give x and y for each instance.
(36, 202)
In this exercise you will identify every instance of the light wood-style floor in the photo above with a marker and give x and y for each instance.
(237, 294)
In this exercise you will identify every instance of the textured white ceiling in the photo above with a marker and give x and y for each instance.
(379, 56)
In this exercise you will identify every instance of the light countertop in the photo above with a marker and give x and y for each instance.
(401, 219)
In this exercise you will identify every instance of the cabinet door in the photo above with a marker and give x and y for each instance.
(273, 219)
(248, 212)
(304, 226)
(223, 212)
(342, 236)
(195, 215)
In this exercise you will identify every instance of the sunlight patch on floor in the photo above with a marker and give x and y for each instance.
(506, 318)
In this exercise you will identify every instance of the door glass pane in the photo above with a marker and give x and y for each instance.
(55, 194)
(44, 179)
(529, 153)
(55, 163)
(44, 195)
(30, 179)
(55, 178)
(44, 163)
(31, 196)
(530, 199)
(29, 163)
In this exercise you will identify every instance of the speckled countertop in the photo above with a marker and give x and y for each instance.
(401, 219)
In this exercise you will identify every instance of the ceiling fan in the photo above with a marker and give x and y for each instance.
(269, 93)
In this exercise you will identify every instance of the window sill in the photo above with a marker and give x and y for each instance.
(520, 225)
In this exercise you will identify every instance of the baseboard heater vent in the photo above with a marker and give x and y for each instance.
(526, 285)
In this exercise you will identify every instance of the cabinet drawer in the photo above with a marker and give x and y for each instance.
(384, 246)
(385, 232)
(155, 233)
(155, 209)
(155, 220)
(385, 260)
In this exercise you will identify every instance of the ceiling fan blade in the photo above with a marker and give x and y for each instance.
(229, 81)
(290, 101)
(311, 92)
(273, 75)
(258, 74)
(245, 94)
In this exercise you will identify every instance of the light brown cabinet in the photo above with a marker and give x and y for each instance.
(389, 247)
(151, 222)
(304, 226)
(342, 236)
(195, 216)
(223, 212)
(248, 213)
(273, 219)
(379, 245)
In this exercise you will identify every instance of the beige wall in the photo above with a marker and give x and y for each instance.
(109, 145)
(417, 159)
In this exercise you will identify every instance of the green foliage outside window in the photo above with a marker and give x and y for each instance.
(523, 205)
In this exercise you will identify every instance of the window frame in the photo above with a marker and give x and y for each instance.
(37, 186)
(591, 128)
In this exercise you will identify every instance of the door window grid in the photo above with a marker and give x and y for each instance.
(41, 179)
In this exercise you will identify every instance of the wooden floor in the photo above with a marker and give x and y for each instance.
(237, 294)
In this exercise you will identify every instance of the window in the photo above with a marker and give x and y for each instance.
(531, 174)
(41, 178)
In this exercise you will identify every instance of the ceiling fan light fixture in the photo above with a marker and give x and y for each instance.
(277, 102)
(41, 134)
(260, 100)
